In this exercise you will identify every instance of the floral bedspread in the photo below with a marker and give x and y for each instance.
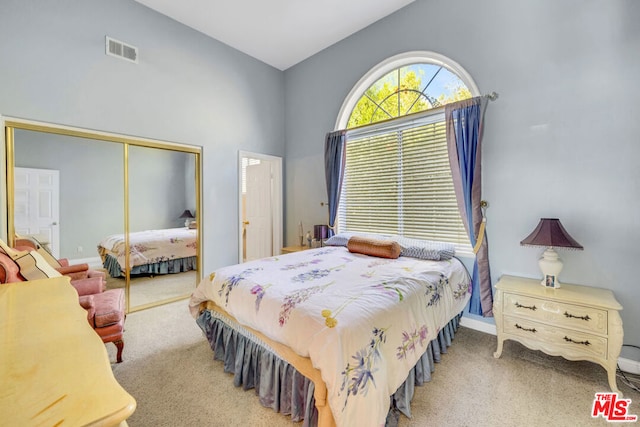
(150, 246)
(363, 321)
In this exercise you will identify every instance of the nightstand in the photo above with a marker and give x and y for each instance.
(291, 249)
(575, 322)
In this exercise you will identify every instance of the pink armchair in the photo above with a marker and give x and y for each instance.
(76, 271)
(105, 308)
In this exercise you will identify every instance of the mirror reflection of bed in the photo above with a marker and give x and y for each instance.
(95, 195)
(161, 265)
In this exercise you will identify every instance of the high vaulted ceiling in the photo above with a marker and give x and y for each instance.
(280, 33)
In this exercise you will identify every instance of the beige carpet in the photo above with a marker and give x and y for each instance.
(150, 289)
(169, 368)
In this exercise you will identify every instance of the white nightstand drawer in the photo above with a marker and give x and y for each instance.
(569, 342)
(583, 318)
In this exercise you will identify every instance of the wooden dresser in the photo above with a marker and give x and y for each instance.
(55, 369)
(575, 322)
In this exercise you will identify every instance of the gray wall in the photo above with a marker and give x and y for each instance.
(159, 188)
(561, 141)
(186, 88)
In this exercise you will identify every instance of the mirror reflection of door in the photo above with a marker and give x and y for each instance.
(260, 206)
(37, 206)
(162, 246)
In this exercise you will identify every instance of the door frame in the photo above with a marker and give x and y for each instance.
(276, 199)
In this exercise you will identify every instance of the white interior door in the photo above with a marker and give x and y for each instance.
(258, 212)
(270, 197)
(37, 205)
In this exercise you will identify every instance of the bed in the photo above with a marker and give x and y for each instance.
(332, 336)
(153, 252)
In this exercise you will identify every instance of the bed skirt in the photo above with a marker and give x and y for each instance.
(179, 265)
(280, 387)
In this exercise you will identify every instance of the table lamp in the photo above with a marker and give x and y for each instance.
(320, 233)
(550, 233)
(187, 216)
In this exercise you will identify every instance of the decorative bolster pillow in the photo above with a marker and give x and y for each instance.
(374, 247)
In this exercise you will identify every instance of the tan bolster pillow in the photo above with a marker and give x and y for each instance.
(374, 247)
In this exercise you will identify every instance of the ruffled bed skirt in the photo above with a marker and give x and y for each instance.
(280, 387)
(179, 265)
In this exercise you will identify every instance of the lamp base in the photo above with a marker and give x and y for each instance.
(551, 266)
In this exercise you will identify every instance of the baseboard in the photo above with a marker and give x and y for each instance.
(478, 325)
(626, 365)
(94, 262)
(629, 366)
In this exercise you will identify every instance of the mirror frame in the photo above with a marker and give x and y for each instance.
(7, 198)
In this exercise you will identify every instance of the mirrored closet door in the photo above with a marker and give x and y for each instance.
(163, 244)
(115, 202)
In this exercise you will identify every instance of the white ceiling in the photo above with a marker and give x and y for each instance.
(280, 33)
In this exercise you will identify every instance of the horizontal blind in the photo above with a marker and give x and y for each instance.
(370, 188)
(397, 180)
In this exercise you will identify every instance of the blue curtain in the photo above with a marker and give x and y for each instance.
(334, 169)
(464, 135)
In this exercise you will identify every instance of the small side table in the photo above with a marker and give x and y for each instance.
(291, 249)
(575, 322)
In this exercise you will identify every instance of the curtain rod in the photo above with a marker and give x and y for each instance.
(491, 96)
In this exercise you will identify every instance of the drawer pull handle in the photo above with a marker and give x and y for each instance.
(569, 315)
(528, 330)
(567, 339)
(533, 307)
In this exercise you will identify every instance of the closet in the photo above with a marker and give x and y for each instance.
(109, 186)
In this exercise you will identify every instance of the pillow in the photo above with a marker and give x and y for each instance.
(415, 248)
(374, 247)
(341, 239)
(425, 249)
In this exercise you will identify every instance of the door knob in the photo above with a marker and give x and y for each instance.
(54, 223)
(245, 222)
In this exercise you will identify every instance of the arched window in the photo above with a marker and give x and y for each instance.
(397, 177)
(406, 90)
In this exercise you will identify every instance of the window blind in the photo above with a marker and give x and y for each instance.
(397, 180)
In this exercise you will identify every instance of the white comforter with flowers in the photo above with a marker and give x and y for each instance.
(363, 321)
(150, 246)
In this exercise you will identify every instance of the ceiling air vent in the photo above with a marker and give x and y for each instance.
(121, 50)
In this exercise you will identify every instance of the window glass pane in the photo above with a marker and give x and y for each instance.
(406, 90)
(361, 113)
